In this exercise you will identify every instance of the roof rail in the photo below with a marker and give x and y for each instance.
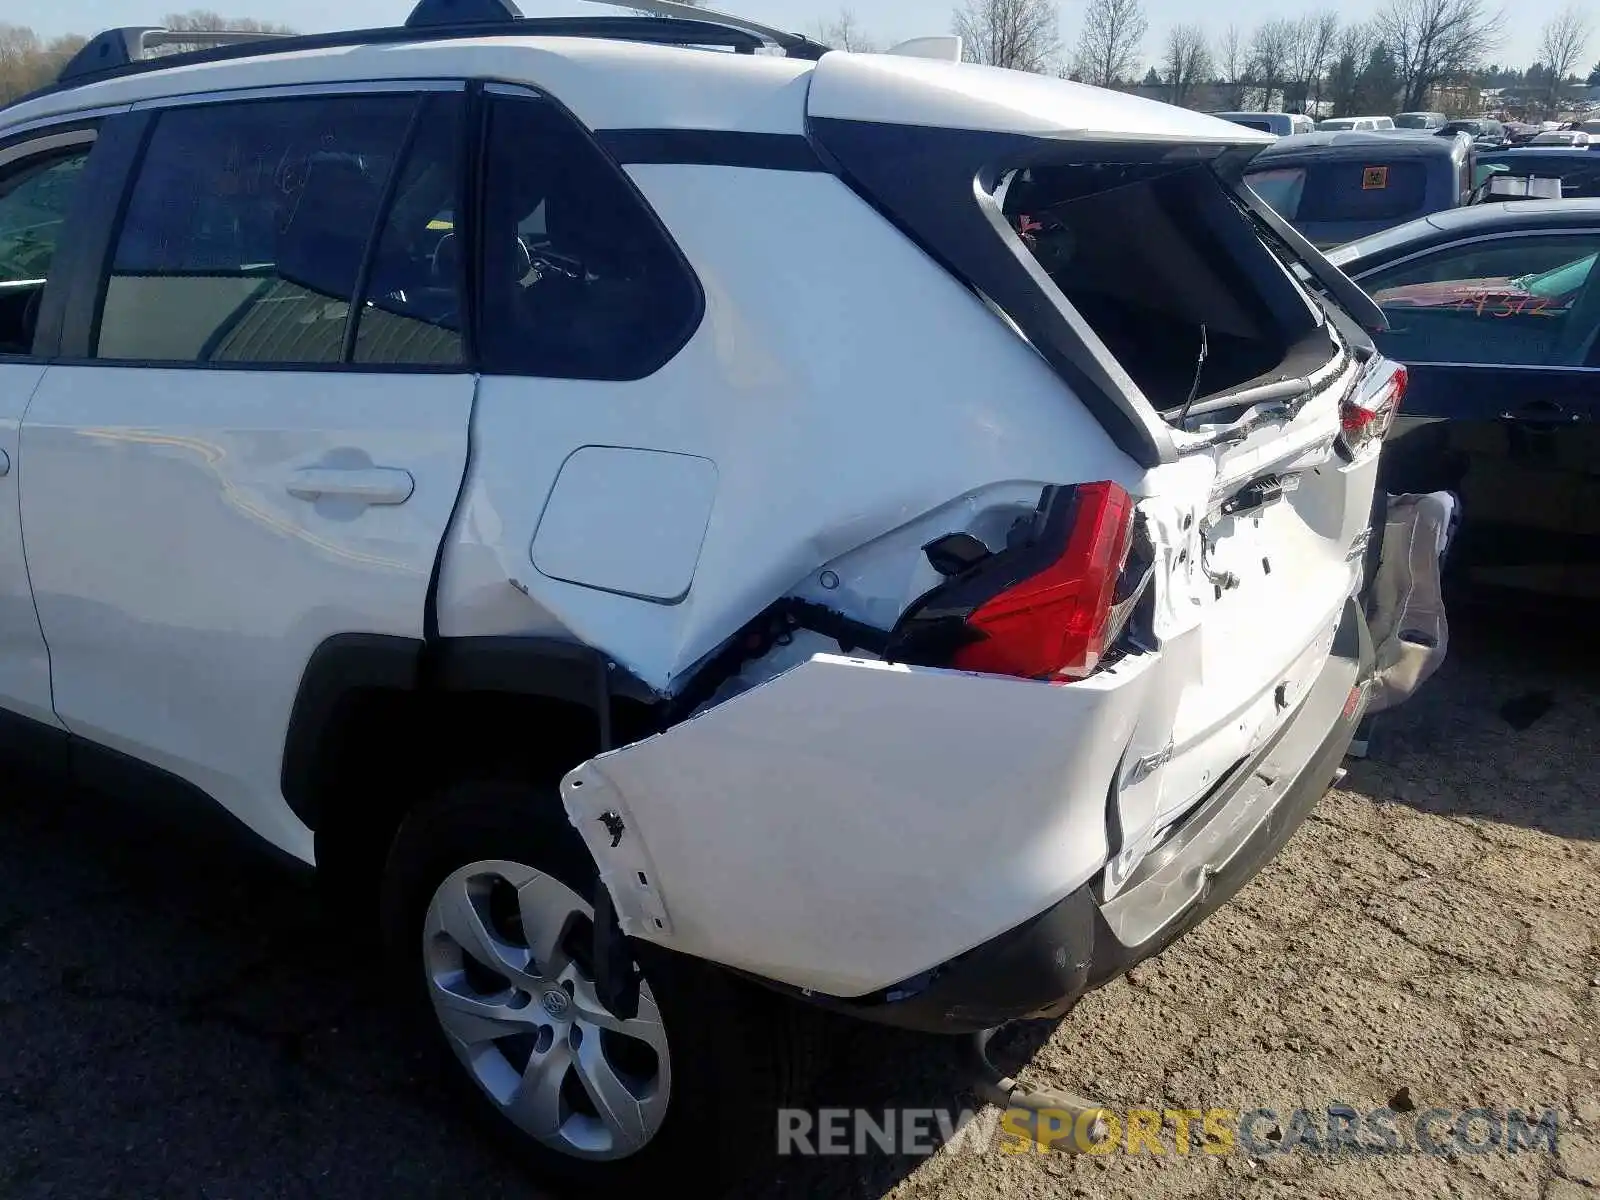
(127, 51)
(116, 48)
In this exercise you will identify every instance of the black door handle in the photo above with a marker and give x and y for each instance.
(1541, 412)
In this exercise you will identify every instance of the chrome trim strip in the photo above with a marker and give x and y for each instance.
(68, 118)
(47, 142)
(343, 87)
(512, 89)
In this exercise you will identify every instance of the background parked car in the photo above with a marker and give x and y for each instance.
(1336, 187)
(1485, 131)
(1360, 124)
(1420, 120)
(1278, 124)
(1561, 137)
(1495, 310)
(1577, 168)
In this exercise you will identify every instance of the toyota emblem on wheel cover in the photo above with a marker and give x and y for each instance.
(555, 1003)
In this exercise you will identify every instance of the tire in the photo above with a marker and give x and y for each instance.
(707, 1081)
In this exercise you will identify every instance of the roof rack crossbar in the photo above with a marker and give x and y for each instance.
(116, 48)
(777, 37)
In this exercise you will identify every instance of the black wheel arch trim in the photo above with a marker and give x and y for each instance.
(347, 663)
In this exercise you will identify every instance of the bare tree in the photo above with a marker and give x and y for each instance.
(26, 63)
(19, 47)
(201, 20)
(844, 33)
(1432, 41)
(204, 21)
(1233, 64)
(1187, 62)
(1108, 47)
(1270, 49)
(1323, 35)
(1309, 43)
(1350, 55)
(1562, 44)
(1022, 34)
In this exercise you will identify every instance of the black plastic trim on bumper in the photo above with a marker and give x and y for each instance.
(1042, 967)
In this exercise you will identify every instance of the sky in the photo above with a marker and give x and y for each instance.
(883, 20)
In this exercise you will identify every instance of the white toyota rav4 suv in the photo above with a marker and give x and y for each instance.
(682, 528)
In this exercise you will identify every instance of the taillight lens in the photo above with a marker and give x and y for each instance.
(1368, 419)
(1042, 609)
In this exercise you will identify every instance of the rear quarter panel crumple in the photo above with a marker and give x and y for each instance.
(841, 382)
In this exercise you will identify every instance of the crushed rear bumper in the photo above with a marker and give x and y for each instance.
(1040, 968)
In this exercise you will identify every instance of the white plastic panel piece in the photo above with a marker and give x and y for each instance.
(851, 823)
(939, 47)
(597, 808)
(627, 521)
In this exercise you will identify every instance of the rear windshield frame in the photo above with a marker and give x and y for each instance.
(1184, 269)
(938, 186)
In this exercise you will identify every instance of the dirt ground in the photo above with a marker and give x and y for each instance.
(176, 1026)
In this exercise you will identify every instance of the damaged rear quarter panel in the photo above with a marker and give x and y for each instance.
(851, 823)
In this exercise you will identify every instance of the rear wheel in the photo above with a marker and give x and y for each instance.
(488, 911)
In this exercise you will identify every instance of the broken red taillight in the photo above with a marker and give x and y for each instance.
(1046, 607)
(1368, 418)
(1054, 623)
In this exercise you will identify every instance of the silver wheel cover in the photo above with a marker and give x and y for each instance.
(518, 1005)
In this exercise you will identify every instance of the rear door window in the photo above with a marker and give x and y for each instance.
(247, 228)
(579, 279)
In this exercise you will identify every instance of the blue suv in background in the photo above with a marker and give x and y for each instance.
(1335, 187)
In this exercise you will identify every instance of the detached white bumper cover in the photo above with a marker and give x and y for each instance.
(849, 823)
(1409, 630)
